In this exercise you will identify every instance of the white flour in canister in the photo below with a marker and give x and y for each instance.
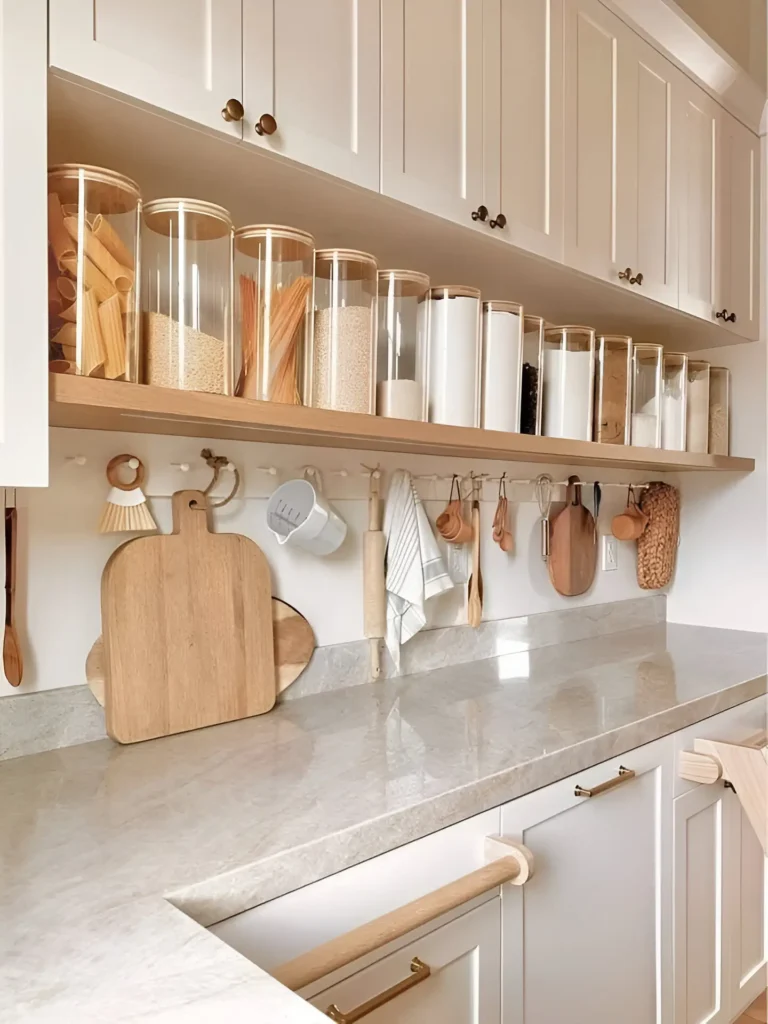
(502, 343)
(567, 410)
(342, 362)
(454, 349)
(400, 399)
(672, 419)
(178, 356)
(645, 426)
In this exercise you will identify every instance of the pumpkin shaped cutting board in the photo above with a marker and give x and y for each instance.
(174, 611)
(572, 545)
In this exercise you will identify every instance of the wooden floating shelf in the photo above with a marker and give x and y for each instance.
(94, 404)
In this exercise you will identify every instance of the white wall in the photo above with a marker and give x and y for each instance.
(722, 571)
(61, 555)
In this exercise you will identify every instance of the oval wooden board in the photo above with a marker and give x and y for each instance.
(294, 646)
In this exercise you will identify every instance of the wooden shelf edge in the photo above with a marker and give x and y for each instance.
(92, 404)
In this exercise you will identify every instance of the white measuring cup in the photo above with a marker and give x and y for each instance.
(298, 514)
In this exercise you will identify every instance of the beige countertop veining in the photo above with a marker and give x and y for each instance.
(106, 850)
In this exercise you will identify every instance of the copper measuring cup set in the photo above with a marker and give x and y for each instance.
(454, 528)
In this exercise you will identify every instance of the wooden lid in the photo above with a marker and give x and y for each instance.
(502, 306)
(202, 221)
(454, 291)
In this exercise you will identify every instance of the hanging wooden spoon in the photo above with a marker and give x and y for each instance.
(475, 589)
(13, 663)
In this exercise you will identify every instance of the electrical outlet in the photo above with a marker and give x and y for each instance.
(610, 553)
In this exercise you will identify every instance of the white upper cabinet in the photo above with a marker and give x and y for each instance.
(23, 245)
(588, 938)
(433, 126)
(738, 228)
(593, 56)
(530, 89)
(314, 68)
(184, 56)
(695, 157)
(646, 206)
(619, 95)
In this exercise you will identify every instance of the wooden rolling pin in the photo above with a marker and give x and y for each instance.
(374, 584)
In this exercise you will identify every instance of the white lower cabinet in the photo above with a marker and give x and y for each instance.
(701, 946)
(588, 938)
(645, 907)
(454, 978)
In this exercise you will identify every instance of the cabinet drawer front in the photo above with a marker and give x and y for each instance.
(464, 959)
(734, 726)
(282, 929)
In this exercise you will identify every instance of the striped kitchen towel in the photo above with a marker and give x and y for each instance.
(415, 570)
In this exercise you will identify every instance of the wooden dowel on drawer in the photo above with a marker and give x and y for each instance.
(345, 949)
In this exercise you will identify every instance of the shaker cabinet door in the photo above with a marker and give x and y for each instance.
(745, 895)
(738, 248)
(23, 245)
(433, 130)
(588, 938)
(703, 919)
(314, 68)
(697, 131)
(530, 92)
(184, 56)
(595, 52)
(646, 217)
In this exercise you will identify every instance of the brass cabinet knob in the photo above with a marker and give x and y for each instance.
(266, 125)
(499, 221)
(729, 318)
(233, 111)
(481, 213)
(626, 275)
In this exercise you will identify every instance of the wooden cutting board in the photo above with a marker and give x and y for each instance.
(187, 626)
(572, 545)
(293, 639)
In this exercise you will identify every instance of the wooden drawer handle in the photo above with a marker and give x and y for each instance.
(419, 972)
(510, 862)
(625, 774)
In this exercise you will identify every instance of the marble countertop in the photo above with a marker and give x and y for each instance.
(107, 853)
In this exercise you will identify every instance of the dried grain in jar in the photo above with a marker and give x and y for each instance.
(340, 370)
(187, 328)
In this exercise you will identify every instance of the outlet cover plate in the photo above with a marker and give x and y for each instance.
(610, 553)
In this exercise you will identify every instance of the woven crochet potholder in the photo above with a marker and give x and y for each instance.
(657, 546)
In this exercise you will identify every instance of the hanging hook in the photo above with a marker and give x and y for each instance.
(217, 463)
(503, 485)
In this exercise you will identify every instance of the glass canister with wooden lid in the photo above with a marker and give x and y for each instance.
(502, 365)
(454, 355)
(273, 271)
(341, 368)
(568, 387)
(531, 374)
(646, 394)
(186, 296)
(401, 370)
(612, 389)
(93, 265)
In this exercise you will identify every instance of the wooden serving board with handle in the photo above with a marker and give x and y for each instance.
(572, 545)
(187, 627)
(293, 639)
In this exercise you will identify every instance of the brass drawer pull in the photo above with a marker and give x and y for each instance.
(625, 774)
(419, 972)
